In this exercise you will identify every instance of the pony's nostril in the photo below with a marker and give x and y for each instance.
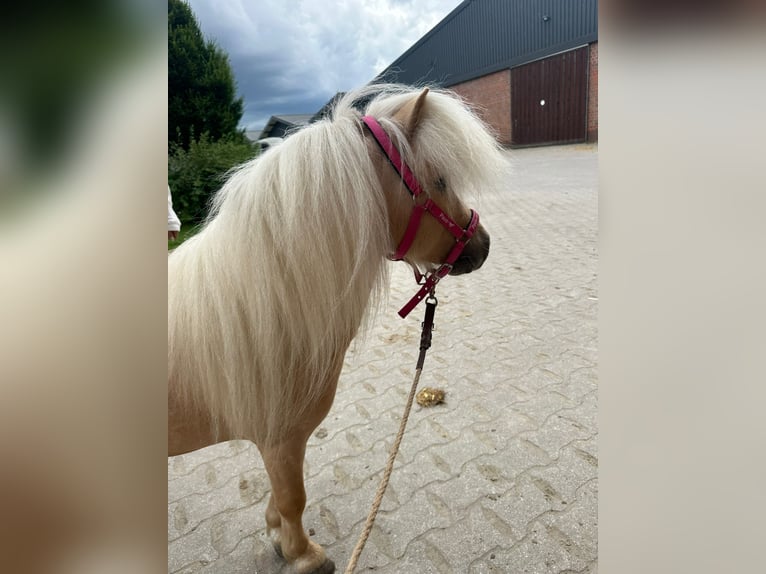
(474, 255)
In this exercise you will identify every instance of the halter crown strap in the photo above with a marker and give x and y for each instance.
(393, 155)
(409, 233)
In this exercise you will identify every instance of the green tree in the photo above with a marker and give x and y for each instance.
(196, 174)
(204, 142)
(201, 87)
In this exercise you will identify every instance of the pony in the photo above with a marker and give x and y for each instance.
(290, 264)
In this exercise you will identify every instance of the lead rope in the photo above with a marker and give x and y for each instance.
(425, 343)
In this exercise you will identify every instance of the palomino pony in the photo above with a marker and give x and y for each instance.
(264, 301)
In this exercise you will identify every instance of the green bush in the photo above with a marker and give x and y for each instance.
(195, 175)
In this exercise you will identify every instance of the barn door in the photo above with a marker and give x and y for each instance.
(549, 100)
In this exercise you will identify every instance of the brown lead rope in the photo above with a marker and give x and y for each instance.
(425, 343)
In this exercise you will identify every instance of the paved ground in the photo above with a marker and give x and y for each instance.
(501, 478)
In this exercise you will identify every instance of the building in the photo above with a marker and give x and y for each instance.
(325, 110)
(278, 126)
(529, 67)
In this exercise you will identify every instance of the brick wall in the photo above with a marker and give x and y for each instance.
(593, 94)
(490, 96)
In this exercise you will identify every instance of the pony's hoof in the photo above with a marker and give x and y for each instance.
(327, 568)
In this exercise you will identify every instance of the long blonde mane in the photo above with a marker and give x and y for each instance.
(263, 301)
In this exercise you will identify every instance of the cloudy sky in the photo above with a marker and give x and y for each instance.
(291, 56)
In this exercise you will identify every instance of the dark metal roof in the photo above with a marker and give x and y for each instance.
(483, 36)
(279, 126)
(359, 104)
(325, 109)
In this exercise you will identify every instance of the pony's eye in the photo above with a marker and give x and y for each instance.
(441, 185)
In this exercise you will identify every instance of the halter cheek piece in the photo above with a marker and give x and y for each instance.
(428, 281)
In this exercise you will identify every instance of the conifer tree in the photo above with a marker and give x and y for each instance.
(201, 87)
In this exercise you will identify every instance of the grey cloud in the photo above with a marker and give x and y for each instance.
(291, 56)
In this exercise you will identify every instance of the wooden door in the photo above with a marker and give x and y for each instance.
(549, 100)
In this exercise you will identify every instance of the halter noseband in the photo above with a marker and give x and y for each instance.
(428, 281)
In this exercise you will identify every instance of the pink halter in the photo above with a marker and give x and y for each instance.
(428, 281)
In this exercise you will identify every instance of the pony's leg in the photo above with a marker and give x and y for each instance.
(284, 464)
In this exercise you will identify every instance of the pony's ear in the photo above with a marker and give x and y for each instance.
(413, 111)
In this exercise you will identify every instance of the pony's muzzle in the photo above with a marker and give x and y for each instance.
(474, 254)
